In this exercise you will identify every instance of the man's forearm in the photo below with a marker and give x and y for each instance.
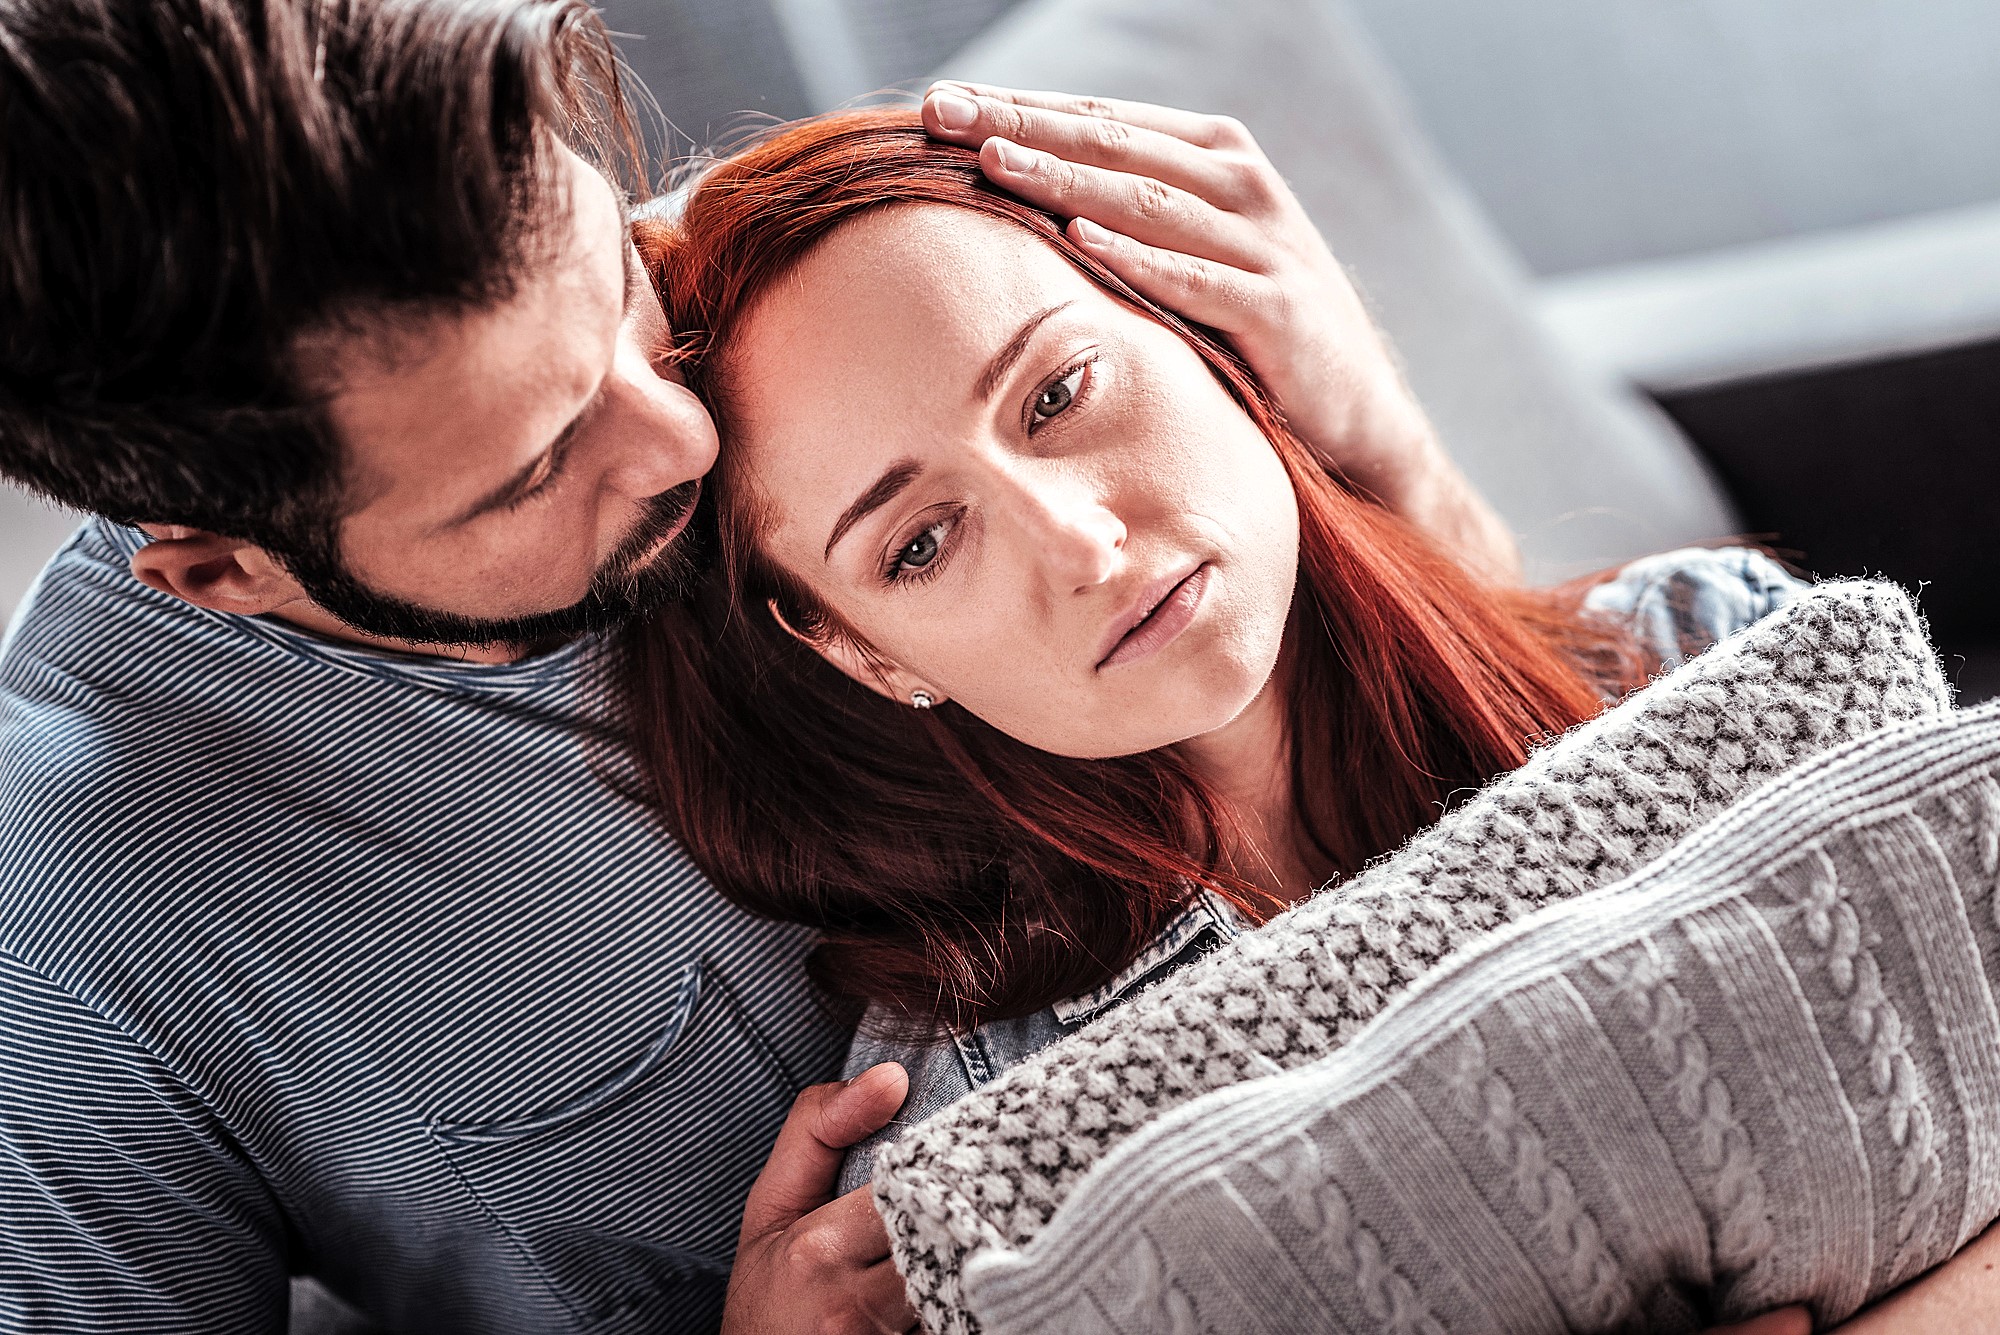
(1366, 425)
(1441, 501)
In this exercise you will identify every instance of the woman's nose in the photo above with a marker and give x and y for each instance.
(1079, 539)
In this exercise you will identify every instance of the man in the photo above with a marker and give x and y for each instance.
(333, 937)
(333, 941)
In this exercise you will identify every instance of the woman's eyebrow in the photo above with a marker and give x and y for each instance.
(1003, 361)
(887, 487)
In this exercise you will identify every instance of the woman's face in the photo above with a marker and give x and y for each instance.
(1027, 497)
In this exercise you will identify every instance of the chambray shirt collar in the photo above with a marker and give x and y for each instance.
(1207, 912)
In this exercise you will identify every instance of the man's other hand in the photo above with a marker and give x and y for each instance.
(1784, 1321)
(807, 1261)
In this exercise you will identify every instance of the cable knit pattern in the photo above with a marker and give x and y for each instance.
(990, 1171)
(1151, 1297)
(1498, 1128)
(1977, 804)
(1592, 1287)
(1319, 1207)
(1727, 1164)
(1832, 925)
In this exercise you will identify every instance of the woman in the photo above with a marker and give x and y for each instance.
(1038, 653)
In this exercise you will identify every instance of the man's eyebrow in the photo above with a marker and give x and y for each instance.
(1003, 361)
(887, 487)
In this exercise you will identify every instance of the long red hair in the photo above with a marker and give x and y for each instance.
(955, 874)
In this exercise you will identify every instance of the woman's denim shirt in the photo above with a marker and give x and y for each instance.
(1676, 604)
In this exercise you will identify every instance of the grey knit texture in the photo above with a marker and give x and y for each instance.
(988, 1173)
(1763, 1071)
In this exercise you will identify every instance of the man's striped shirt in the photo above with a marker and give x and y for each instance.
(320, 960)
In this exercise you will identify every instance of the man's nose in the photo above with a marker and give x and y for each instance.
(659, 435)
(1077, 538)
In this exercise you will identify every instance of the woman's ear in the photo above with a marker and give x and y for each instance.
(882, 677)
(211, 571)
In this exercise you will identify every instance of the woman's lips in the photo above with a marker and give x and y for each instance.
(1161, 618)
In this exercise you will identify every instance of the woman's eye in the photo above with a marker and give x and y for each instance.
(922, 556)
(1058, 395)
(921, 550)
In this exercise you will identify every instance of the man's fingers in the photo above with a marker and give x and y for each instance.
(805, 1162)
(861, 1107)
(828, 1271)
(1238, 182)
(1217, 295)
(1149, 211)
(847, 1231)
(1192, 126)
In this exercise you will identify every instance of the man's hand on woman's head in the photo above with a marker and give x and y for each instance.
(1187, 209)
(807, 1261)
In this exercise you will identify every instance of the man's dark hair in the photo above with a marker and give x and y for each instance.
(191, 189)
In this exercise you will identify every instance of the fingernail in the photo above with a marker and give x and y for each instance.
(1013, 157)
(952, 112)
(873, 1073)
(1090, 234)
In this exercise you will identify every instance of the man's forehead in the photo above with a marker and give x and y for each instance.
(448, 398)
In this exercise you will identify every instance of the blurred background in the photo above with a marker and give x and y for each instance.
(1662, 269)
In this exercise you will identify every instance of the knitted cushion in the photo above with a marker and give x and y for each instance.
(1843, 660)
(1763, 1071)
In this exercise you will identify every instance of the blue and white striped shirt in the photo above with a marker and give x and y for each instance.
(321, 960)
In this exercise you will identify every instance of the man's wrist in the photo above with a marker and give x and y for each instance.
(1416, 478)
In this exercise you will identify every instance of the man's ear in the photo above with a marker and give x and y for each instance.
(211, 571)
(878, 675)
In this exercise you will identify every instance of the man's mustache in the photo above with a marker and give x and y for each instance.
(664, 514)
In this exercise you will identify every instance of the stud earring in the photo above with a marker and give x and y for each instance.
(922, 699)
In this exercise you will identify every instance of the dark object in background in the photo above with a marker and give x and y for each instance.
(1887, 467)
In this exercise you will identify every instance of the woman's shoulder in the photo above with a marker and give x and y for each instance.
(938, 1075)
(1679, 603)
(944, 1070)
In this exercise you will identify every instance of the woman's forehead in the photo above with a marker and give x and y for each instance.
(908, 276)
(872, 349)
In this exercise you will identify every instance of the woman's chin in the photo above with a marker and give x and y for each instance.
(1135, 728)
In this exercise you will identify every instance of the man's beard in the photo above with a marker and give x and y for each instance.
(631, 583)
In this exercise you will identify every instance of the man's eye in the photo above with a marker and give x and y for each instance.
(536, 486)
(1057, 396)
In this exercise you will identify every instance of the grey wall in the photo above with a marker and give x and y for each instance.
(713, 65)
(29, 531)
(1602, 131)
(718, 66)
(1595, 131)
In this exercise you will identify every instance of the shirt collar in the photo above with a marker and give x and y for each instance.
(1206, 912)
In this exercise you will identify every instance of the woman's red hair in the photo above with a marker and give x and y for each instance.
(955, 874)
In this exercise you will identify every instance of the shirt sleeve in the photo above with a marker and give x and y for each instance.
(123, 1204)
(1679, 603)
